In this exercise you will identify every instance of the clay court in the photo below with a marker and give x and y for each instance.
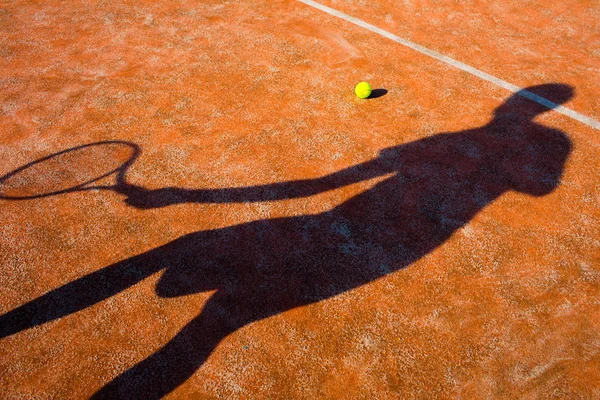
(195, 204)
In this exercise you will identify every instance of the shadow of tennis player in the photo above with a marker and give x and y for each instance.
(263, 268)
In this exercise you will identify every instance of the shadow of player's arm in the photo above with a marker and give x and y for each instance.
(147, 199)
(80, 294)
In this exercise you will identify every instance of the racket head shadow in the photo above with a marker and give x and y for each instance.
(70, 170)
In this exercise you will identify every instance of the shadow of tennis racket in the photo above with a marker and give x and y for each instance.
(76, 169)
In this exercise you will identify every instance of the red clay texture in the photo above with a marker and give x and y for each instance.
(194, 203)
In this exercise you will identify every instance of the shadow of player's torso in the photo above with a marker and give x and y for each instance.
(437, 185)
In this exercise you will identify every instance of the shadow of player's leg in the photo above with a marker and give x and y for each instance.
(180, 358)
(81, 293)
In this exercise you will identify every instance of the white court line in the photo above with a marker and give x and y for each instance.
(457, 64)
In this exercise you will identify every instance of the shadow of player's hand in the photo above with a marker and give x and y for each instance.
(157, 198)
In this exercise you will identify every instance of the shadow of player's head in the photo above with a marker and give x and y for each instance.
(520, 105)
(530, 156)
(514, 152)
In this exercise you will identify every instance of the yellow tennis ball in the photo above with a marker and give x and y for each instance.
(362, 90)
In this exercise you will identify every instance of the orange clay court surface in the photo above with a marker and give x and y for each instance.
(259, 232)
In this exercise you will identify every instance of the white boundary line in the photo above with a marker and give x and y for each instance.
(457, 64)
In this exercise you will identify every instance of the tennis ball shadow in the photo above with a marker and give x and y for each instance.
(377, 93)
